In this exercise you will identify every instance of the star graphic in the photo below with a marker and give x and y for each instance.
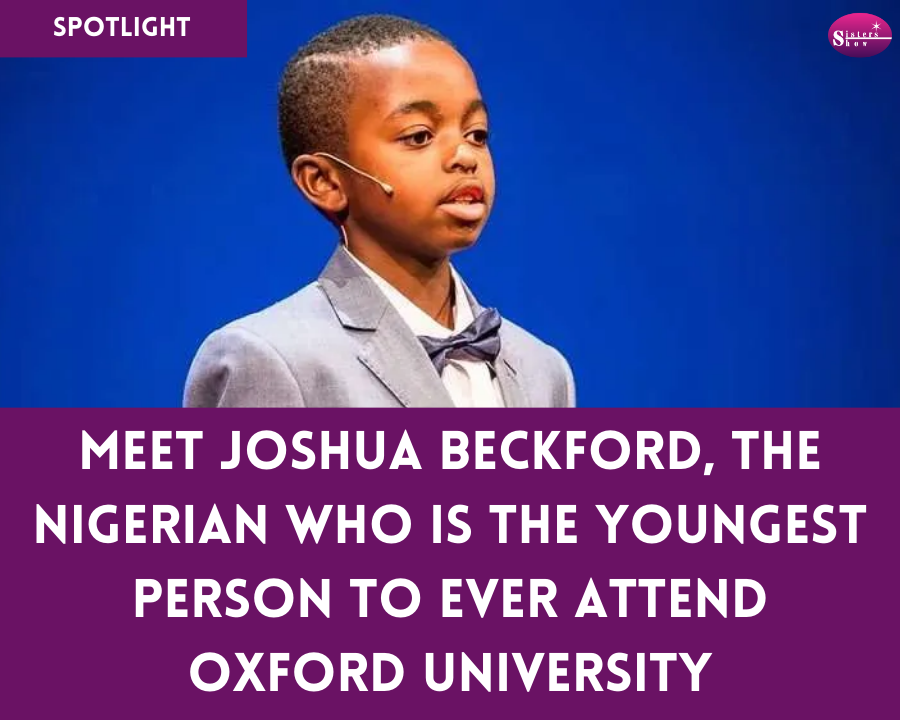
(876, 26)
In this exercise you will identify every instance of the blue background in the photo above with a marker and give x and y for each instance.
(697, 203)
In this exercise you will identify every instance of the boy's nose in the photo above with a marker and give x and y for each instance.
(464, 157)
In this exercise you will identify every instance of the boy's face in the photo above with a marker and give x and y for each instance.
(416, 121)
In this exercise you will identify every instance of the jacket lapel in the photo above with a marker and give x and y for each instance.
(390, 351)
(513, 395)
(397, 358)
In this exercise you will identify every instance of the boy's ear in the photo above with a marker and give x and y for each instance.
(318, 180)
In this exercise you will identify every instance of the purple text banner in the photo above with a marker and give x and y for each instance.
(714, 563)
(111, 28)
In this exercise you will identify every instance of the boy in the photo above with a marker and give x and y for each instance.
(384, 131)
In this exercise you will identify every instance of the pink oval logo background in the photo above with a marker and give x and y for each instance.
(859, 35)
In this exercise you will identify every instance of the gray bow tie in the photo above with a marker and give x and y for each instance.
(480, 341)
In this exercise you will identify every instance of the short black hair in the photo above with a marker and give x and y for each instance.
(315, 87)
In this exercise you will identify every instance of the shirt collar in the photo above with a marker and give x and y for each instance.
(420, 322)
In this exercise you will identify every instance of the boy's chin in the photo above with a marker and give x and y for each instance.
(459, 239)
(441, 243)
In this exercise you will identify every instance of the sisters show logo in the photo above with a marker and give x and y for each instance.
(859, 35)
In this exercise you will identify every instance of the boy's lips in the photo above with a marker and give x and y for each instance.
(465, 201)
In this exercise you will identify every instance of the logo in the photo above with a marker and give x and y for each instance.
(859, 35)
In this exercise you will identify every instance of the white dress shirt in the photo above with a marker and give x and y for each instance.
(470, 382)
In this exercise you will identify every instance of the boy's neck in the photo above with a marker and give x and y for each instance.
(428, 284)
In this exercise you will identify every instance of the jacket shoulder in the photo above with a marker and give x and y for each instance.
(296, 315)
(258, 360)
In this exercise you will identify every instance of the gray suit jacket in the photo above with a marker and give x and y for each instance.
(339, 342)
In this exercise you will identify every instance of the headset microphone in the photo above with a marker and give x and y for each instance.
(388, 189)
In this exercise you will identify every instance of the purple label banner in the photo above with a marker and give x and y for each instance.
(111, 28)
(710, 563)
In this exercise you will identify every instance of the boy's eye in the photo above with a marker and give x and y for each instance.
(419, 138)
(479, 137)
